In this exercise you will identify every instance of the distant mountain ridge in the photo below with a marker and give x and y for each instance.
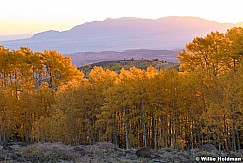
(83, 58)
(121, 34)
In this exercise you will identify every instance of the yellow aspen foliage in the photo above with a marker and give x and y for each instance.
(208, 54)
(44, 98)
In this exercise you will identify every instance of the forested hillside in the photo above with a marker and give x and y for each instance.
(127, 64)
(43, 98)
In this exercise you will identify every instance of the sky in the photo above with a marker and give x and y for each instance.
(19, 18)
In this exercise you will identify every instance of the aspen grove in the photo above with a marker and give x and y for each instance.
(43, 98)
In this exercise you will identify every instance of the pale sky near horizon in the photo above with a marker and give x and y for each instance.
(33, 16)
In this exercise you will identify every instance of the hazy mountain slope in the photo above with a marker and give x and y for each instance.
(122, 34)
